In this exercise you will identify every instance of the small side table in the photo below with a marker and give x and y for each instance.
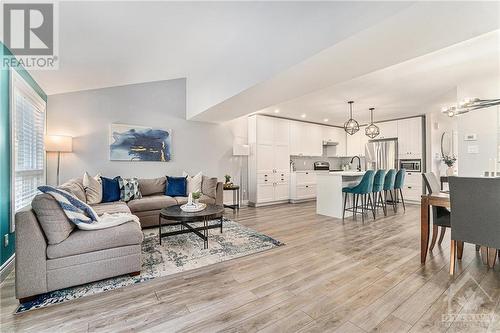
(236, 197)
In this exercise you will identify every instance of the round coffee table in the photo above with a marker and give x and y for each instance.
(185, 219)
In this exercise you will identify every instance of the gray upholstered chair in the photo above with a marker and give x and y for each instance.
(440, 215)
(475, 215)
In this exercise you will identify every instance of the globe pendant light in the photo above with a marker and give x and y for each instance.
(372, 130)
(351, 126)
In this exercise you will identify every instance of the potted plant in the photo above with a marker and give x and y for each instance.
(196, 197)
(449, 160)
(228, 183)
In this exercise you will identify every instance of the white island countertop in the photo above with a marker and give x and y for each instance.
(329, 196)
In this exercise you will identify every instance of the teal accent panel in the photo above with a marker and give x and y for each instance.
(5, 161)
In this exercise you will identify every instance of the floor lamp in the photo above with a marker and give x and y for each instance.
(241, 150)
(58, 144)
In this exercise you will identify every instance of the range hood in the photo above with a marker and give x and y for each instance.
(330, 143)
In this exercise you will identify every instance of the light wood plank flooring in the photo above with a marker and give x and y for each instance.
(331, 276)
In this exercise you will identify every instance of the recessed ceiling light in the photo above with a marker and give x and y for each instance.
(325, 120)
(303, 115)
(277, 111)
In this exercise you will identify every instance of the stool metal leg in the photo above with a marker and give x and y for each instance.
(402, 199)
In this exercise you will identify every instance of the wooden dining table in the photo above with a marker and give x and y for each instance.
(435, 199)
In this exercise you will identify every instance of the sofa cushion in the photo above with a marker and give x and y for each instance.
(110, 189)
(93, 188)
(152, 186)
(193, 182)
(176, 186)
(129, 189)
(206, 199)
(209, 186)
(75, 187)
(152, 202)
(83, 241)
(111, 207)
(54, 222)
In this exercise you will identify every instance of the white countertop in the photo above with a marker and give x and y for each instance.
(344, 173)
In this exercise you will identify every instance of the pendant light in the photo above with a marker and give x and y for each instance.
(372, 130)
(351, 126)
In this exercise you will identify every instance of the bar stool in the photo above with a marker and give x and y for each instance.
(390, 178)
(363, 189)
(378, 187)
(398, 185)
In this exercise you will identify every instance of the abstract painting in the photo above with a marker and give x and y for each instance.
(139, 143)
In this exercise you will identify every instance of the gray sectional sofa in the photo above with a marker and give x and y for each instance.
(52, 254)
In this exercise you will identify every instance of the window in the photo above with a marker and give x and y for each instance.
(27, 148)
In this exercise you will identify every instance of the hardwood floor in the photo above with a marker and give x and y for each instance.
(331, 276)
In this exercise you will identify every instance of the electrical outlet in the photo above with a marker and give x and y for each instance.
(6, 240)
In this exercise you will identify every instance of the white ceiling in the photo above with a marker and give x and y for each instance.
(401, 90)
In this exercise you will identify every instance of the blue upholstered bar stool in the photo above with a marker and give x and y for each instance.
(378, 188)
(390, 179)
(398, 185)
(363, 189)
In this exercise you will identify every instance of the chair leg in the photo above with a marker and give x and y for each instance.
(452, 256)
(393, 202)
(484, 255)
(434, 236)
(375, 201)
(402, 199)
(345, 202)
(492, 255)
(478, 247)
(355, 198)
(460, 249)
(441, 236)
(371, 204)
(362, 208)
(384, 207)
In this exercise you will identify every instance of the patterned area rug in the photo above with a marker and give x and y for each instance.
(176, 254)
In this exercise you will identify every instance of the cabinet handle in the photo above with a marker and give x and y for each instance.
(265, 180)
(307, 185)
(409, 187)
(307, 173)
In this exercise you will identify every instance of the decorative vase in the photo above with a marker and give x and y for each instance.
(196, 201)
(450, 171)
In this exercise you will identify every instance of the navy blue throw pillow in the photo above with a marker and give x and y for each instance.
(110, 189)
(176, 186)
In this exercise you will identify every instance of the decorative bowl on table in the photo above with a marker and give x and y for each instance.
(193, 208)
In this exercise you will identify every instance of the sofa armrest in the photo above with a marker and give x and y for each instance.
(31, 255)
(219, 195)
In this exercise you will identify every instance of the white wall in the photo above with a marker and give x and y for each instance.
(483, 122)
(87, 115)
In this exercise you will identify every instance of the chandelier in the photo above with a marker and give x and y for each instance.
(372, 130)
(469, 104)
(351, 126)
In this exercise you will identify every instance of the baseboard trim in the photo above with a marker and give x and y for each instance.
(253, 204)
(7, 267)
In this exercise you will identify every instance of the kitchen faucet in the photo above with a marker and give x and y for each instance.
(359, 162)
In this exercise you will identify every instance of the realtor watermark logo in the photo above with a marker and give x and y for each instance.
(30, 32)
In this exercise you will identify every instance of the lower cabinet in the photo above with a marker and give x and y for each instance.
(272, 187)
(302, 185)
(413, 187)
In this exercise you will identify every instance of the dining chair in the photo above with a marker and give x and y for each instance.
(475, 215)
(363, 191)
(440, 215)
(390, 178)
(378, 188)
(398, 186)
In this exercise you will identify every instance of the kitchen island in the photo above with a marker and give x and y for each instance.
(329, 196)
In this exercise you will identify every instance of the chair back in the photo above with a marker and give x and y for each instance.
(475, 210)
(390, 178)
(431, 182)
(400, 178)
(366, 184)
(378, 180)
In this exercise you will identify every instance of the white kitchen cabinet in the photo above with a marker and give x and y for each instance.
(413, 187)
(338, 135)
(388, 129)
(356, 143)
(303, 185)
(305, 139)
(268, 163)
(410, 138)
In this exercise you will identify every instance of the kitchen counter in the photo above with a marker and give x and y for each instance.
(329, 197)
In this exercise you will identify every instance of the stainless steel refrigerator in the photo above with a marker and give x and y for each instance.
(381, 154)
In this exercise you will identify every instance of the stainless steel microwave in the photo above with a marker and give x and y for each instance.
(411, 165)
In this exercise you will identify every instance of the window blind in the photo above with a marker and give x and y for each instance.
(28, 154)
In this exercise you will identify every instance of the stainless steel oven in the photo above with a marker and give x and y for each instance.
(411, 165)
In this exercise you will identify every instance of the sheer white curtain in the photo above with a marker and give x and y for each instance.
(28, 131)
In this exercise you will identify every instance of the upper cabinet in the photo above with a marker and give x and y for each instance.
(410, 138)
(356, 143)
(388, 129)
(305, 139)
(335, 135)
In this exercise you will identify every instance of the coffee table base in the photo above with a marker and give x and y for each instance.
(201, 232)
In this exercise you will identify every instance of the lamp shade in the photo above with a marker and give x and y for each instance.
(241, 150)
(59, 143)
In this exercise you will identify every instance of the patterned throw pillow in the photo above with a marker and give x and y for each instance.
(129, 189)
